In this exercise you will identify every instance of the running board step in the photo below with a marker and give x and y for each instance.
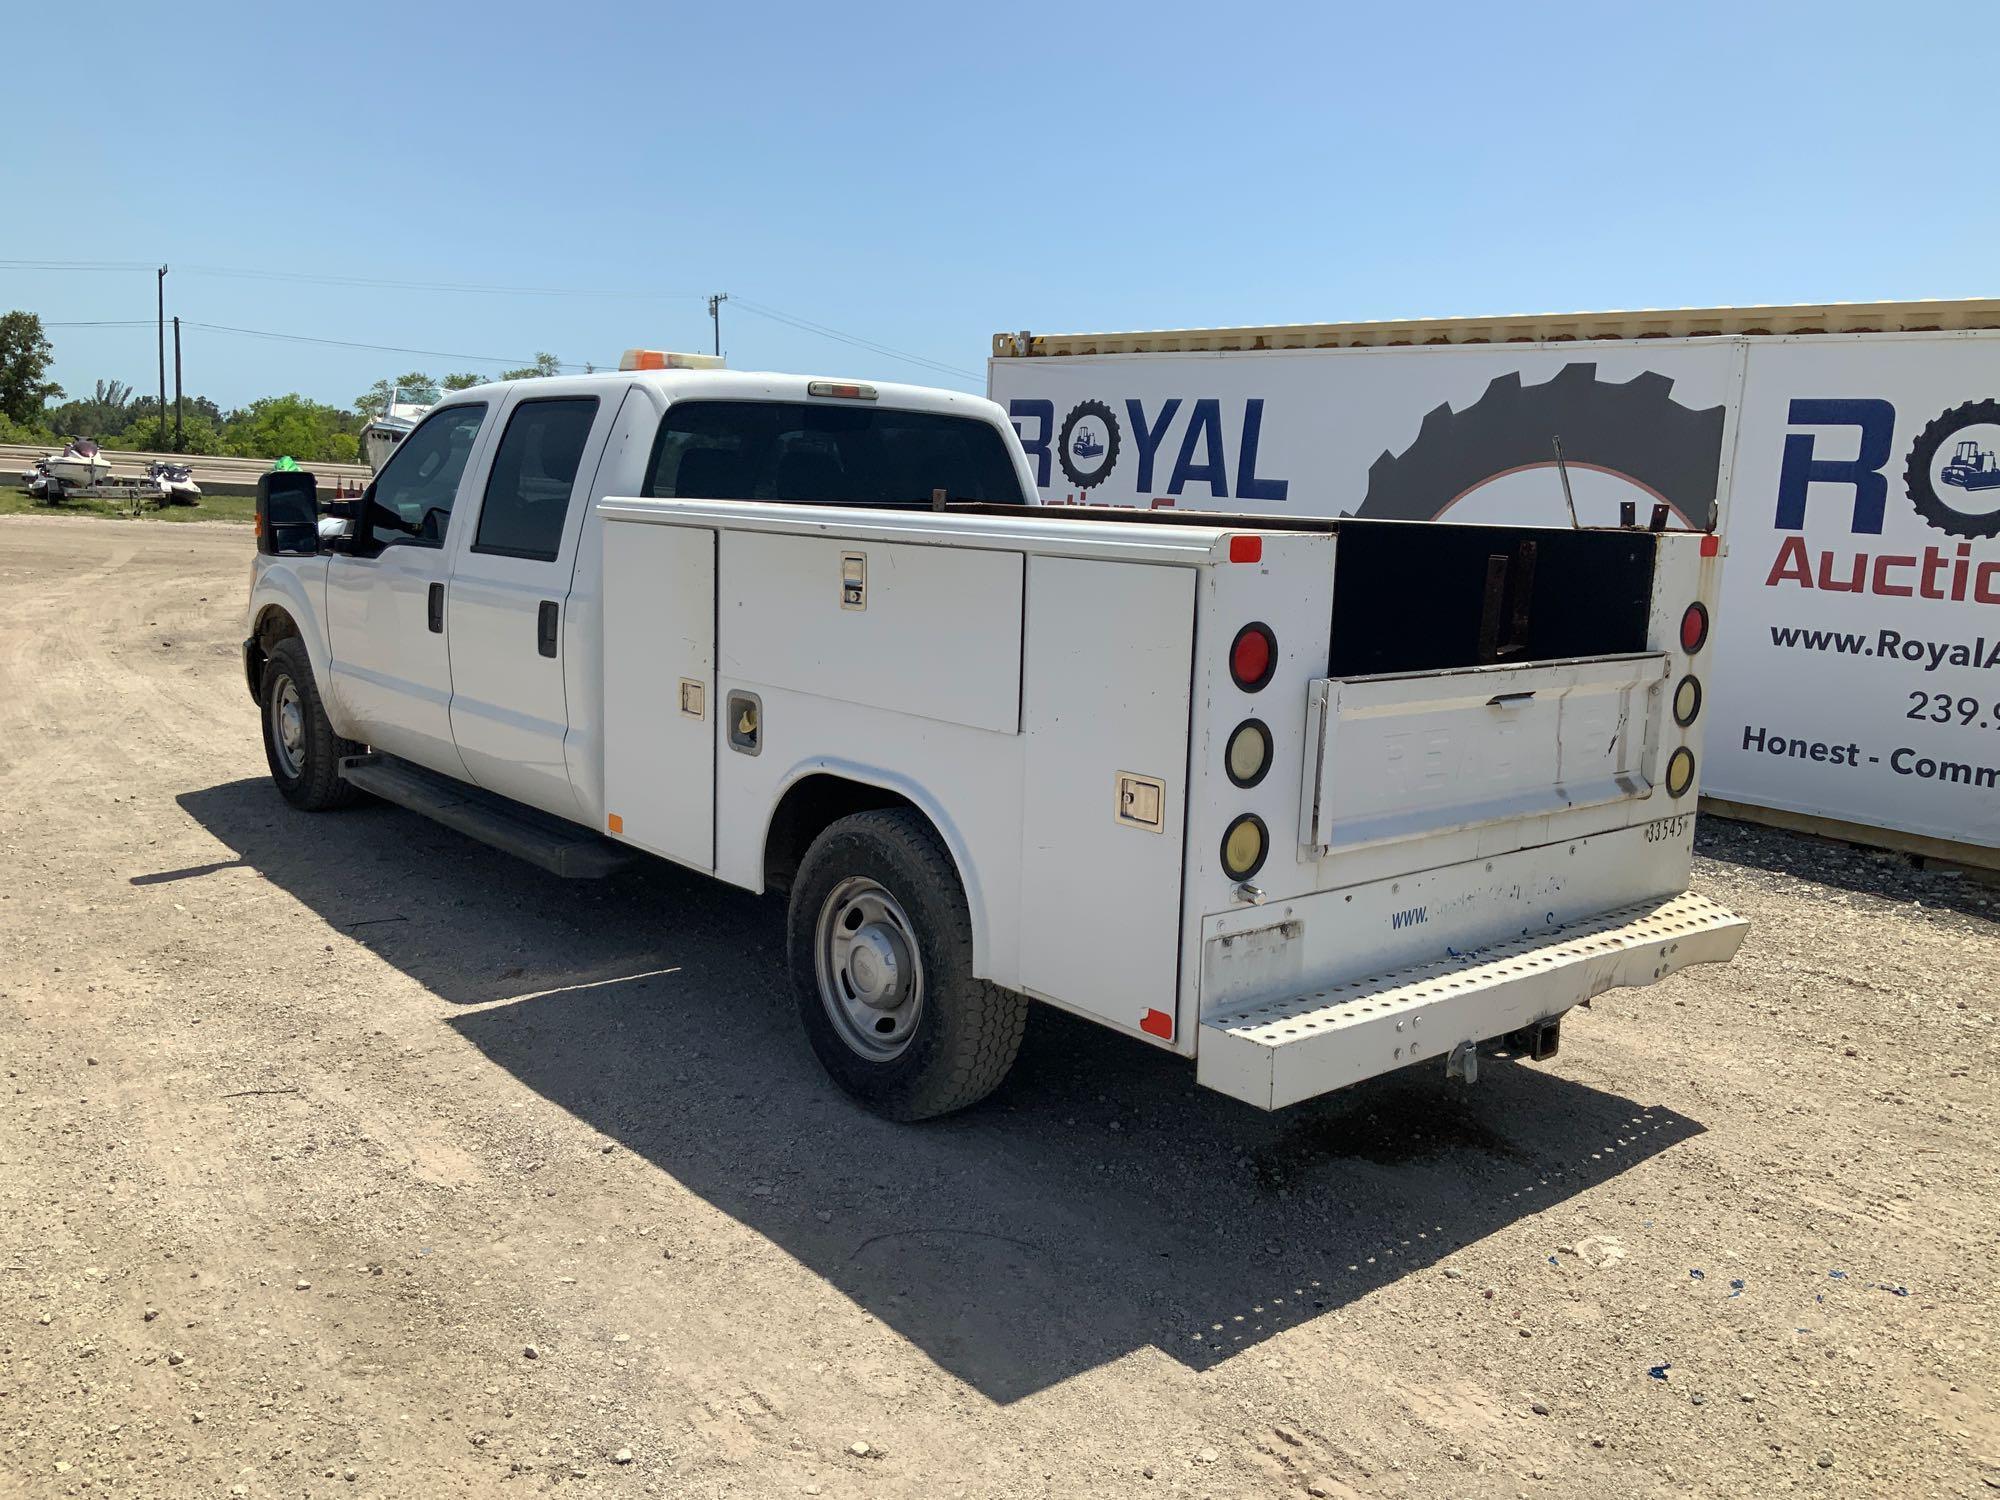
(560, 847)
(1282, 1051)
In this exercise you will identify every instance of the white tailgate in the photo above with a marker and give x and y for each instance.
(1411, 754)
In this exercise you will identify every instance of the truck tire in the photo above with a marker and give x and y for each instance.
(881, 954)
(299, 744)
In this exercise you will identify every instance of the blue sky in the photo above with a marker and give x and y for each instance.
(927, 175)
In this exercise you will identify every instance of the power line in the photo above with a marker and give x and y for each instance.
(245, 274)
(74, 265)
(760, 309)
(301, 338)
(808, 326)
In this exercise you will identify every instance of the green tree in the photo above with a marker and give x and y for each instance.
(416, 387)
(104, 413)
(465, 380)
(545, 364)
(305, 429)
(25, 353)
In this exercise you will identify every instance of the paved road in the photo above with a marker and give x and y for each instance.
(362, 1111)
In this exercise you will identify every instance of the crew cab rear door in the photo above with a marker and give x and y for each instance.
(509, 591)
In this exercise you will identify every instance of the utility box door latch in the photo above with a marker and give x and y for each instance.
(1142, 802)
(853, 580)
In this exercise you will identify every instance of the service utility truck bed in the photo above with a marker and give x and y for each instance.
(1306, 801)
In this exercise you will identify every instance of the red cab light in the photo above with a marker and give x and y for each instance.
(1694, 628)
(1253, 656)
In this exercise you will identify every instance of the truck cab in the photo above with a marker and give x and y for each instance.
(456, 622)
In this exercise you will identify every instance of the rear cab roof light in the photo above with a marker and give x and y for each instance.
(850, 390)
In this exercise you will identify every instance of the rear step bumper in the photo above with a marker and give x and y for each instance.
(1282, 1051)
(560, 847)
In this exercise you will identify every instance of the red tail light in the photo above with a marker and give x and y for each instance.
(1253, 657)
(1694, 628)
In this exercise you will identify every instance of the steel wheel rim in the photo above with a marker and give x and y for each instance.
(871, 978)
(288, 727)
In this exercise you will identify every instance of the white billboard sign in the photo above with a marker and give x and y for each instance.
(1856, 480)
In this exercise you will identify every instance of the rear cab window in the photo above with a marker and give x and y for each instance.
(534, 472)
(813, 454)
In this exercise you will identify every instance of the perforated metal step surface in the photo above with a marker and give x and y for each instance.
(1277, 1052)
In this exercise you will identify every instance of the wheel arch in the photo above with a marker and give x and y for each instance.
(281, 606)
(816, 796)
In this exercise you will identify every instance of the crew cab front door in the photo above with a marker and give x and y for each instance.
(510, 642)
(385, 595)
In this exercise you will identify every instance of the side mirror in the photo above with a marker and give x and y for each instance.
(287, 513)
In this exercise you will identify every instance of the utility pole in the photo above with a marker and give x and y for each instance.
(163, 354)
(715, 301)
(180, 442)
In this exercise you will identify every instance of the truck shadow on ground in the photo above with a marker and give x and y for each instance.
(1098, 1206)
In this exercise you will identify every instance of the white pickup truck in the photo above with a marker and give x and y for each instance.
(1304, 800)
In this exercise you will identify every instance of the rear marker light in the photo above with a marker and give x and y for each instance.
(1253, 656)
(1246, 549)
(1244, 846)
(1680, 772)
(1248, 755)
(1687, 700)
(1694, 628)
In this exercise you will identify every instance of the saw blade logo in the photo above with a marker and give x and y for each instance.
(1634, 430)
(1087, 446)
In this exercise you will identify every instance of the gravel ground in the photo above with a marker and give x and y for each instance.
(339, 1157)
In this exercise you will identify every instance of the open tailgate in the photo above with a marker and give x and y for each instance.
(1408, 755)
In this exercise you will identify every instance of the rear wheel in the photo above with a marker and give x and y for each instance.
(300, 746)
(881, 955)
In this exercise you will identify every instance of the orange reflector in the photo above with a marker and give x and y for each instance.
(615, 823)
(1246, 549)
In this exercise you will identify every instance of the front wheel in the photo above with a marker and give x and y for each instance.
(300, 746)
(881, 956)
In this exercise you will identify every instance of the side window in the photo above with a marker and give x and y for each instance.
(415, 490)
(534, 473)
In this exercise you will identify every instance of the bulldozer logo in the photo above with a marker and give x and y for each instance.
(1631, 429)
(1087, 446)
(1953, 473)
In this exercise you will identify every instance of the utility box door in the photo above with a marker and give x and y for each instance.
(1109, 652)
(659, 689)
(924, 630)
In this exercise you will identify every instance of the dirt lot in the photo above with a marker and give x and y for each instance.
(339, 1157)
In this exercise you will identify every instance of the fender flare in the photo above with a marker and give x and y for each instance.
(924, 802)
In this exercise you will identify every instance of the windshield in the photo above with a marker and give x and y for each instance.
(828, 455)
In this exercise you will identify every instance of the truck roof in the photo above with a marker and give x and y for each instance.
(1924, 316)
(750, 385)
